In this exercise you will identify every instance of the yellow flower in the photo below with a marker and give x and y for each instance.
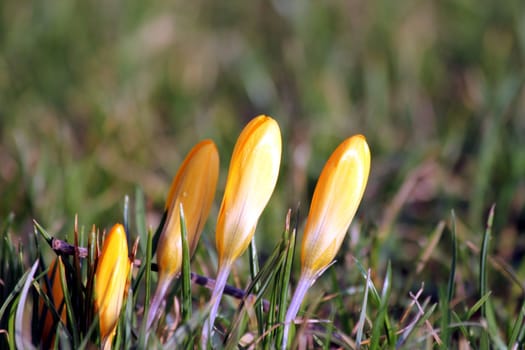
(111, 278)
(193, 187)
(252, 176)
(56, 296)
(337, 195)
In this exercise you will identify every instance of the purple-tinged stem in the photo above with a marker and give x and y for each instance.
(304, 283)
(160, 293)
(220, 283)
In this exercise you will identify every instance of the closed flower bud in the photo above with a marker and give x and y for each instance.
(252, 176)
(56, 296)
(337, 195)
(194, 188)
(111, 280)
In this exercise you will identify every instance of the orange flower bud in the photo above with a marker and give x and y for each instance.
(194, 187)
(56, 296)
(252, 176)
(336, 197)
(111, 279)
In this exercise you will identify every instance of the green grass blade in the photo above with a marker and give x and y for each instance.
(517, 327)
(487, 310)
(186, 274)
(483, 260)
(329, 331)
(362, 315)
(125, 217)
(237, 328)
(477, 305)
(254, 270)
(140, 220)
(445, 301)
(376, 298)
(484, 339)
(385, 298)
(146, 269)
(459, 325)
(11, 325)
(452, 275)
(521, 335)
(69, 304)
(147, 266)
(381, 322)
(13, 295)
(5, 260)
(285, 281)
(22, 338)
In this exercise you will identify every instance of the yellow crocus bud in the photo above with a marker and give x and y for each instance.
(337, 195)
(194, 188)
(56, 296)
(111, 280)
(252, 176)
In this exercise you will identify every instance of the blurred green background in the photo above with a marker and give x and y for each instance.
(98, 97)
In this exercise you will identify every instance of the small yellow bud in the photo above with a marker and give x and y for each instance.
(111, 277)
(56, 296)
(194, 187)
(252, 176)
(336, 197)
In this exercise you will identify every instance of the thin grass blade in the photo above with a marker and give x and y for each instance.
(445, 304)
(362, 315)
(186, 274)
(22, 338)
(140, 219)
(517, 328)
(254, 270)
(69, 304)
(381, 321)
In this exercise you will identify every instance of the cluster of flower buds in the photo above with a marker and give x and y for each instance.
(252, 176)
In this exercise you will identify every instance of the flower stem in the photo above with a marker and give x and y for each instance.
(220, 283)
(302, 287)
(162, 288)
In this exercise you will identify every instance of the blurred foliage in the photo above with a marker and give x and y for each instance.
(99, 97)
